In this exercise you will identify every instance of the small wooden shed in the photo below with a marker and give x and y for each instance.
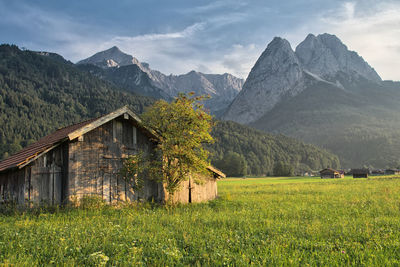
(360, 173)
(331, 173)
(84, 159)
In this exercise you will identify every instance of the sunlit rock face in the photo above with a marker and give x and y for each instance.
(326, 56)
(277, 73)
(281, 73)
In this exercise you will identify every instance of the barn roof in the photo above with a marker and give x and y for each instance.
(33, 151)
(216, 171)
(45, 144)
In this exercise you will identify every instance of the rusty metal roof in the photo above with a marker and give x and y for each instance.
(40, 146)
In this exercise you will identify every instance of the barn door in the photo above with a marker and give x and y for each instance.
(50, 185)
(113, 187)
(190, 190)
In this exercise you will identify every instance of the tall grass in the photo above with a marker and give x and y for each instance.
(255, 221)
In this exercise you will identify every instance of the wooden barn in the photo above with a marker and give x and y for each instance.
(84, 159)
(331, 173)
(360, 173)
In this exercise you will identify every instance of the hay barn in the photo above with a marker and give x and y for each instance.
(331, 173)
(84, 159)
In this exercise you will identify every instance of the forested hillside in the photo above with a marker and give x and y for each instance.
(40, 92)
(261, 152)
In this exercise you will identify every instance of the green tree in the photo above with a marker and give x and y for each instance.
(233, 164)
(283, 169)
(183, 126)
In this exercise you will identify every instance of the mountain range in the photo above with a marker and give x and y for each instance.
(320, 93)
(324, 94)
(128, 72)
(41, 92)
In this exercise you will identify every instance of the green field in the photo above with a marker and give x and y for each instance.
(261, 221)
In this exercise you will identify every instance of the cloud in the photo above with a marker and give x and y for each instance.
(370, 30)
(187, 32)
(225, 5)
(373, 36)
(241, 59)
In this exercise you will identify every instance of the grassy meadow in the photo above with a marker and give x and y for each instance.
(260, 221)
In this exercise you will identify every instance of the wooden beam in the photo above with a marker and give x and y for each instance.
(102, 120)
(29, 160)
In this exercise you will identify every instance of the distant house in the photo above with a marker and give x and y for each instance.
(331, 173)
(84, 159)
(392, 172)
(360, 173)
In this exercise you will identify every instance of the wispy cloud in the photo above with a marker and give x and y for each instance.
(373, 36)
(187, 32)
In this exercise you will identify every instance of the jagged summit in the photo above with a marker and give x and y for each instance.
(276, 73)
(112, 57)
(326, 56)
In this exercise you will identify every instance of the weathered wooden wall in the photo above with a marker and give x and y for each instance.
(204, 191)
(95, 160)
(38, 182)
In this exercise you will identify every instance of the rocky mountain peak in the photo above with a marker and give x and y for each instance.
(277, 73)
(115, 49)
(112, 57)
(117, 64)
(326, 56)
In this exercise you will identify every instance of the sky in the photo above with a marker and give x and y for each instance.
(177, 36)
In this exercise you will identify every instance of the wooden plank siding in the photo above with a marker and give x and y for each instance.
(38, 182)
(95, 161)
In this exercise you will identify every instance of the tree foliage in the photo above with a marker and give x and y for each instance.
(183, 127)
(233, 164)
(133, 170)
(283, 169)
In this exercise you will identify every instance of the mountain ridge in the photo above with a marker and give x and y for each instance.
(221, 87)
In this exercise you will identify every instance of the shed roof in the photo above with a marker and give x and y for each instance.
(216, 171)
(45, 143)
